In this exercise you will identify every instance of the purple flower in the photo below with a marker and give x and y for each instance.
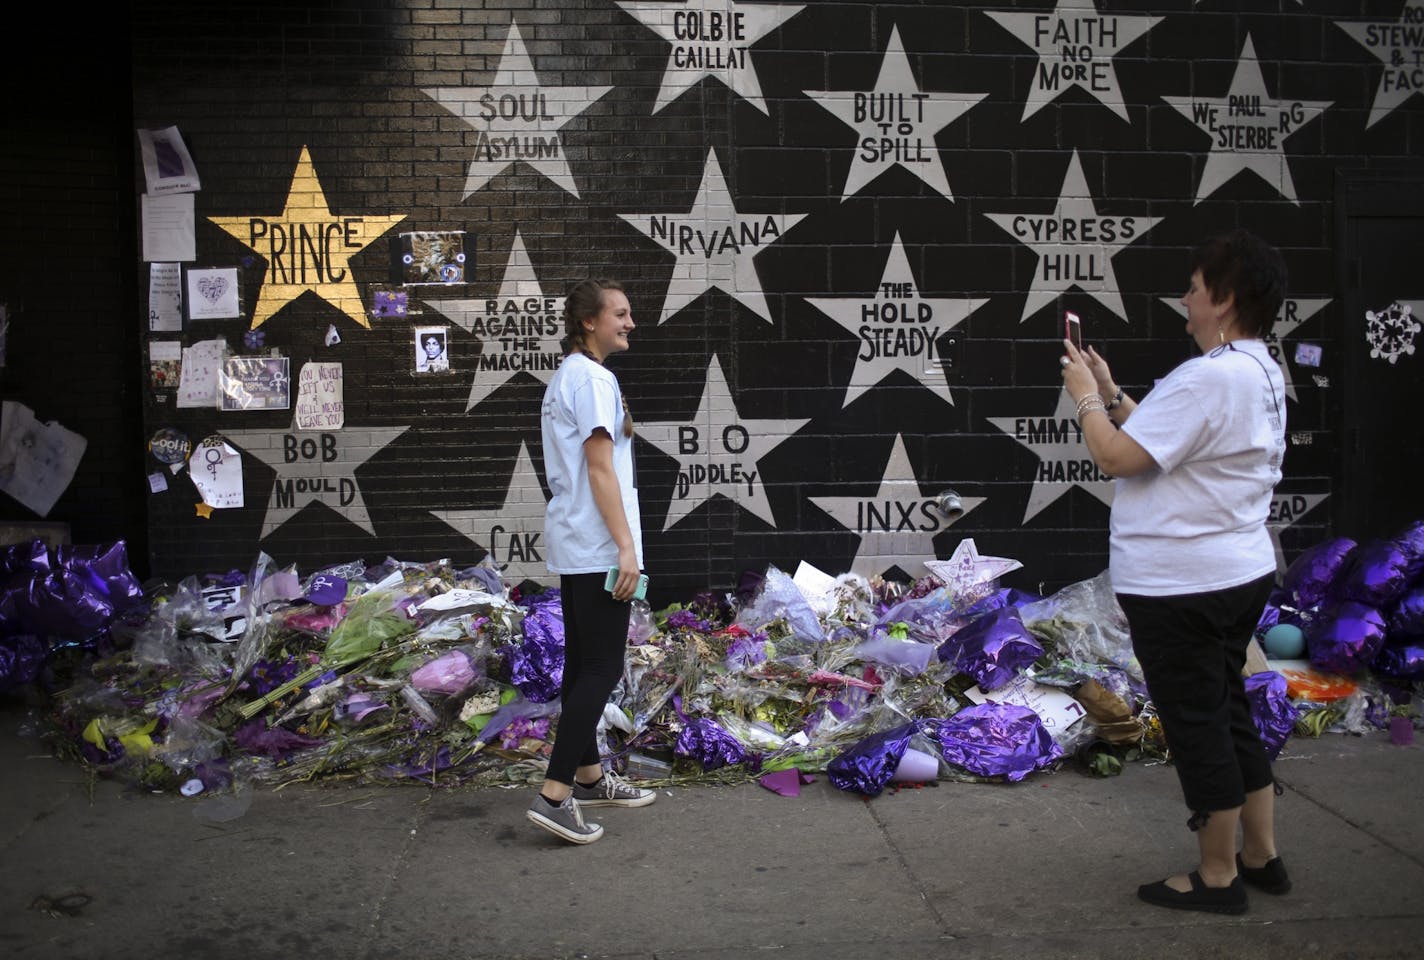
(254, 339)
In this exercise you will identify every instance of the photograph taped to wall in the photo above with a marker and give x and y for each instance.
(254, 383)
(433, 256)
(165, 364)
(431, 354)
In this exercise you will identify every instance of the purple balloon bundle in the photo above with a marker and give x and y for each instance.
(105, 569)
(1346, 638)
(995, 739)
(868, 766)
(32, 557)
(21, 659)
(1271, 709)
(993, 649)
(1406, 619)
(1404, 662)
(537, 663)
(1309, 579)
(1377, 574)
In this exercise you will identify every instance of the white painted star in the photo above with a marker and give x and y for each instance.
(509, 534)
(315, 468)
(1248, 129)
(1063, 458)
(718, 452)
(897, 328)
(1399, 45)
(521, 330)
(895, 124)
(1286, 511)
(710, 38)
(967, 568)
(1075, 46)
(516, 118)
(1287, 323)
(897, 526)
(1075, 246)
(715, 245)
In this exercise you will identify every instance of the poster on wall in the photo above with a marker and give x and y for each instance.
(212, 294)
(37, 460)
(198, 378)
(431, 355)
(319, 397)
(165, 364)
(433, 256)
(216, 469)
(165, 297)
(167, 165)
(254, 383)
(168, 227)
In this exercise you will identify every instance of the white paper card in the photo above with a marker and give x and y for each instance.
(1056, 709)
(216, 469)
(165, 297)
(167, 165)
(201, 365)
(319, 397)
(212, 294)
(37, 460)
(168, 227)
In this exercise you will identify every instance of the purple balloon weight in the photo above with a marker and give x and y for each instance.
(868, 766)
(1272, 710)
(1346, 639)
(1308, 580)
(1378, 572)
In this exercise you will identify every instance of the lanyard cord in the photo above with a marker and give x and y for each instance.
(1232, 347)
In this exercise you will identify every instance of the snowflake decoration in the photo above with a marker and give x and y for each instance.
(1390, 333)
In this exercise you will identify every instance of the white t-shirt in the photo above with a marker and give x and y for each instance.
(581, 397)
(1197, 520)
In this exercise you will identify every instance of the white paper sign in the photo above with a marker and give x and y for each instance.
(216, 469)
(157, 482)
(201, 364)
(212, 294)
(319, 397)
(37, 460)
(1056, 709)
(165, 297)
(167, 165)
(168, 227)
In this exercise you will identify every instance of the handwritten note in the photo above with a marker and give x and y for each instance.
(319, 397)
(198, 384)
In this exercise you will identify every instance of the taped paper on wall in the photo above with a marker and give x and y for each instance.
(165, 364)
(216, 469)
(37, 460)
(212, 294)
(198, 386)
(167, 165)
(168, 227)
(165, 297)
(320, 405)
(254, 383)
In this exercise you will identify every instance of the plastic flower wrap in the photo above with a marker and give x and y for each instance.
(993, 649)
(868, 766)
(446, 675)
(537, 663)
(1346, 638)
(780, 599)
(1083, 622)
(1308, 580)
(1377, 574)
(1271, 709)
(996, 739)
(705, 741)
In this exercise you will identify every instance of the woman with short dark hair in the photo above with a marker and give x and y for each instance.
(1190, 558)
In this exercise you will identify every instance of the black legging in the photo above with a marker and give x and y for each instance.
(595, 639)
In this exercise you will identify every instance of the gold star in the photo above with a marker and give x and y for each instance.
(203, 510)
(307, 248)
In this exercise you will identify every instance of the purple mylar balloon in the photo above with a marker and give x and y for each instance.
(705, 741)
(59, 606)
(993, 649)
(1377, 574)
(1272, 710)
(1402, 663)
(1346, 638)
(20, 660)
(1407, 617)
(1309, 578)
(106, 568)
(537, 663)
(32, 557)
(994, 739)
(868, 766)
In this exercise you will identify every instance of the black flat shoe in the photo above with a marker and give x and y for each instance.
(1230, 899)
(1271, 878)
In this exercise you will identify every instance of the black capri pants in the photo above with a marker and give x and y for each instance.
(595, 642)
(1192, 648)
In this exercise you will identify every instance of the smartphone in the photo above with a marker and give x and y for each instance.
(611, 581)
(1073, 329)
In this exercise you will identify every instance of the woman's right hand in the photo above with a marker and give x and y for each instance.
(628, 574)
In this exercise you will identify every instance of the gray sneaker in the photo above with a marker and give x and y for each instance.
(612, 791)
(564, 820)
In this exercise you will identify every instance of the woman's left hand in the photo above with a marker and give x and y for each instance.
(1077, 374)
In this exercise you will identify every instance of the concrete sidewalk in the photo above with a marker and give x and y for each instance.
(1047, 868)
